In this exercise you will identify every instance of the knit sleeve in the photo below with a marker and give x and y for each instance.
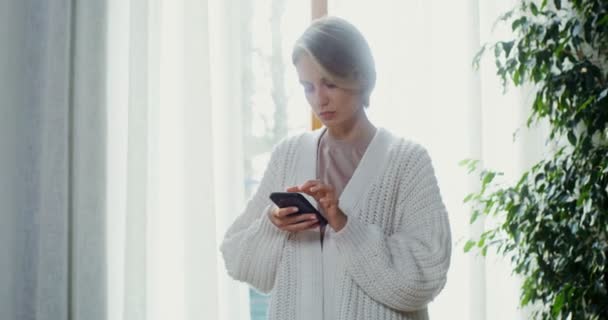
(408, 268)
(253, 245)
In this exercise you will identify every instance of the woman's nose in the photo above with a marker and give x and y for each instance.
(321, 96)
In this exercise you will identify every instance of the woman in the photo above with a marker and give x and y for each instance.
(386, 249)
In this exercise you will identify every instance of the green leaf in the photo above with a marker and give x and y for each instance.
(585, 104)
(518, 23)
(539, 177)
(533, 8)
(522, 180)
(558, 303)
(572, 138)
(528, 291)
(464, 162)
(603, 21)
(468, 197)
(507, 46)
(516, 77)
(481, 242)
(470, 244)
(474, 216)
(488, 177)
(558, 4)
(470, 163)
(497, 51)
(478, 56)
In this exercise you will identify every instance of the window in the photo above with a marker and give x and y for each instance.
(273, 103)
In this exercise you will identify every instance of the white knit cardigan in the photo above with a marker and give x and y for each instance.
(388, 262)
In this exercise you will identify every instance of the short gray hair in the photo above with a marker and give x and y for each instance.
(340, 49)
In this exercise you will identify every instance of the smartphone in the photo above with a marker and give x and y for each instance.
(295, 199)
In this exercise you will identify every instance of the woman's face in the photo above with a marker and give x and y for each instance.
(333, 105)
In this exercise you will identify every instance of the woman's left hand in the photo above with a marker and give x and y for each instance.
(326, 197)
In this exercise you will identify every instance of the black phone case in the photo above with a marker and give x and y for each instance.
(294, 199)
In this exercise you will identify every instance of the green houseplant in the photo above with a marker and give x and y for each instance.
(554, 220)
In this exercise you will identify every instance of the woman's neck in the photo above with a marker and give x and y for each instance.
(354, 130)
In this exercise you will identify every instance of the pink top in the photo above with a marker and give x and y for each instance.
(338, 159)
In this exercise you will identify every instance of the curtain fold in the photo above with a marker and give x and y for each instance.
(226, 68)
(53, 151)
(87, 243)
(201, 272)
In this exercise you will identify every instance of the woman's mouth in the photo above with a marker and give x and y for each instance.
(327, 114)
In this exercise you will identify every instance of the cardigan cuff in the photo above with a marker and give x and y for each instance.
(267, 228)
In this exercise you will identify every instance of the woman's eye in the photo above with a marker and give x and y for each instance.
(330, 85)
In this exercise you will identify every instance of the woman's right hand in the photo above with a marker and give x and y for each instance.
(281, 218)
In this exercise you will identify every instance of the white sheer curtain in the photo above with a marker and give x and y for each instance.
(175, 143)
(428, 91)
(172, 185)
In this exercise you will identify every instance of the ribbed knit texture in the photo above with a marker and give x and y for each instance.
(394, 250)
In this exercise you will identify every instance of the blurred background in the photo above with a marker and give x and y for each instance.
(133, 132)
